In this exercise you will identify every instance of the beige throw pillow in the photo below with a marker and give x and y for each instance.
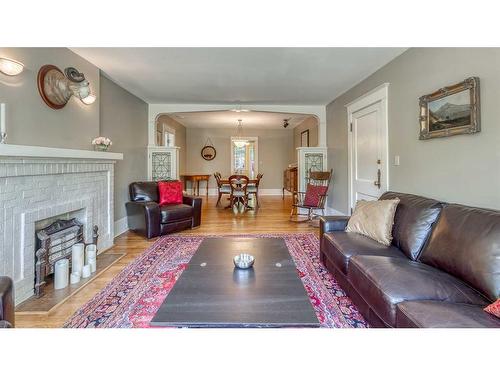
(374, 219)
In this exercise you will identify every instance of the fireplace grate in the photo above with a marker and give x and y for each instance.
(54, 242)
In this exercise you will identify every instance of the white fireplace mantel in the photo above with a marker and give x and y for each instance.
(43, 183)
(50, 152)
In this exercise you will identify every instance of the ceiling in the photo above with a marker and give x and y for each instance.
(229, 119)
(307, 76)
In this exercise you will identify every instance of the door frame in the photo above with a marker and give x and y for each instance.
(379, 94)
(256, 140)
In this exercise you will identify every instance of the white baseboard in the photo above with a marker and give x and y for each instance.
(332, 212)
(213, 192)
(272, 192)
(121, 226)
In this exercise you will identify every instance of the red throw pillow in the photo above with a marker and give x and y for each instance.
(313, 195)
(494, 308)
(170, 192)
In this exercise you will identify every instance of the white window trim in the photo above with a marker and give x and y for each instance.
(256, 140)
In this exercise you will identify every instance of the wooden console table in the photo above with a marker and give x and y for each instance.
(195, 182)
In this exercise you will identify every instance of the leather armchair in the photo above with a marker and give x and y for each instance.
(6, 302)
(148, 218)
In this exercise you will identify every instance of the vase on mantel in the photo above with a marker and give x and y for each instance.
(101, 143)
(101, 148)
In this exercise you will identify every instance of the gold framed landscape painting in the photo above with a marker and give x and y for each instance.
(451, 110)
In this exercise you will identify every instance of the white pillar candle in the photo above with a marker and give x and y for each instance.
(61, 274)
(93, 265)
(2, 118)
(86, 271)
(75, 277)
(77, 257)
(90, 253)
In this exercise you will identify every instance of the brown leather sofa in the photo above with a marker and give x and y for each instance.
(146, 217)
(6, 302)
(441, 270)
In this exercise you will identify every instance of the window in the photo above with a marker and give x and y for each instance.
(169, 138)
(244, 159)
(165, 135)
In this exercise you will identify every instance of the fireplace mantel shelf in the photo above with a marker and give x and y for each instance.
(7, 150)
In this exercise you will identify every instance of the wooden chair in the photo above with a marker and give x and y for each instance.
(314, 198)
(254, 189)
(239, 194)
(221, 188)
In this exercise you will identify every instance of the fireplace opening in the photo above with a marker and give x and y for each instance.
(54, 239)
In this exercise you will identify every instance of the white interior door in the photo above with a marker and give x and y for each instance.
(368, 149)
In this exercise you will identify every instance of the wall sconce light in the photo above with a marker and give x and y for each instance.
(89, 99)
(10, 67)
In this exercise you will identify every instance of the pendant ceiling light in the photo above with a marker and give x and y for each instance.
(239, 141)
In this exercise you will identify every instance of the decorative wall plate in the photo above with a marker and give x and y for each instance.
(208, 152)
(50, 73)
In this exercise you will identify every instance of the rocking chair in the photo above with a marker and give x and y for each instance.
(313, 199)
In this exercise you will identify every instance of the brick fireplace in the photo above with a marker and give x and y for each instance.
(38, 183)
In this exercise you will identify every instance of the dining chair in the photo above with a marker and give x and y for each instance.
(221, 188)
(253, 189)
(239, 194)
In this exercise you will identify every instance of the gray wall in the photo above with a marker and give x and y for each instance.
(311, 124)
(274, 153)
(180, 138)
(116, 114)
(124, 119)
(463, 169)
(29, 120)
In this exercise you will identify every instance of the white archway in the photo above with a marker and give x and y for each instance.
(319, 111)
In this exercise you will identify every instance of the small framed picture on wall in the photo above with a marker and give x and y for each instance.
(304, 138)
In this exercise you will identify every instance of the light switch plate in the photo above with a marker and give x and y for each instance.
(396, 160)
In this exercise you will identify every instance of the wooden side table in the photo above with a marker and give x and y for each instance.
(195, 182)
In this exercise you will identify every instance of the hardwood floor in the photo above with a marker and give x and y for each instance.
(271, 217)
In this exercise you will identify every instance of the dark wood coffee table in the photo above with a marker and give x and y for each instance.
(211, 292)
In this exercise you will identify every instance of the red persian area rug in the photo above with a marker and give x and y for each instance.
(132, 298)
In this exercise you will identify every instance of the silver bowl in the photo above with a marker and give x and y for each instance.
(243, 261)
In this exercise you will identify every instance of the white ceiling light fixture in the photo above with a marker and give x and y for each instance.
(239, 141)
(10, 67)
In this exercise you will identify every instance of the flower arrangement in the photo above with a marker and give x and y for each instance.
(101, 143)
